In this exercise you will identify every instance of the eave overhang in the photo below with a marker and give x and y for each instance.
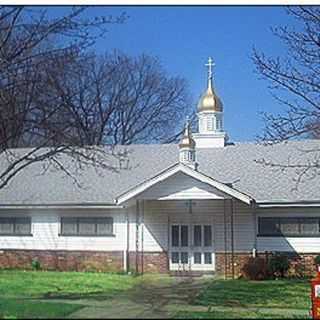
(291, 204)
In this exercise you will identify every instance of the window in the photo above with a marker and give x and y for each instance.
(184, 257)
(175, 257)
(290, 227)
(87, 226)
(207, 258)
(15, 226)
(207, 236)
(184, 236)
(269, 226)
(197, 257)
(210, 124)
(310, 226)
(175, 236)
(197, 236)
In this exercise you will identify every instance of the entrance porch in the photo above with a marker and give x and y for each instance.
(194, 236)
(196, 222)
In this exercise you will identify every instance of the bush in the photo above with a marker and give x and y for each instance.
(317, 260)
(278, 265)
(35, 264)
(255, 269)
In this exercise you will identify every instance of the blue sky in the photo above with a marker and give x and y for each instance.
(183, 38)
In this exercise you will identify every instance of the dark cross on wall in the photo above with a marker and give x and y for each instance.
(189, 204)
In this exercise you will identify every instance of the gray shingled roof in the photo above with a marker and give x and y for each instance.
(234, 164)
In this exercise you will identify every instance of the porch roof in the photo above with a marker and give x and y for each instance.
(181, 168)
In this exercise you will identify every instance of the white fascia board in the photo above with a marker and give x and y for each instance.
(219, 185)
(188, 171)
(296, 204)
(59, 206)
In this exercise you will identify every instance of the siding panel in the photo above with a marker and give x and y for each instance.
(46, 227)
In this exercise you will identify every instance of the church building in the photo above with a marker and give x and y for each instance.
(201, 206)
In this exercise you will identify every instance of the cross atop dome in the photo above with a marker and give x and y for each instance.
(210, 65)
(210, 116)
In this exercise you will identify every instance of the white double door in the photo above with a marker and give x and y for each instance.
(191, 247)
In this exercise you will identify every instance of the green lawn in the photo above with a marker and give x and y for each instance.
(263, 299)
(227, 314)
(55, 294)
(26, 309)
(38, 284)
(20, 290)
(267, 294)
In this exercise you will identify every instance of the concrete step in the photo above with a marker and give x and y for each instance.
(190, 273)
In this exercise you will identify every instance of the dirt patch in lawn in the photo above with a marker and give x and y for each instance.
(148, 299)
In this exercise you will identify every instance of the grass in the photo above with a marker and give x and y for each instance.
(38, 284)
(265, 294)
(279, 295)
(18, 309)
(234, 315)
(20, 290)
(30, 294)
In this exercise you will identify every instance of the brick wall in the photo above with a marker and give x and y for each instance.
(83, 260)
(224, 263)
(63, 260)
(150, 262)
(301, 264)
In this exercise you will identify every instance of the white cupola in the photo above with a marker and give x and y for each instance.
(210, 117)
(187, 152)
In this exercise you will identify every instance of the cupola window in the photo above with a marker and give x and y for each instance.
(210, 124)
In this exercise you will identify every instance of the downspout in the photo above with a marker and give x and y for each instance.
(232, 238)
(128, 243)
(254, 212)
(190, 220)
(169, 244)
(225, 239)
(137, 235)
(142, 237)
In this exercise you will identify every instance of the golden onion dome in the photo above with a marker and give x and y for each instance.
(187, 140)
(209, 101)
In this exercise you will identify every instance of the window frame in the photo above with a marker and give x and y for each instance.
(280, 220)
(78, 234)
(14, 222)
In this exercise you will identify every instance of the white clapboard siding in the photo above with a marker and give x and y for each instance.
(153, 228)
(291, 244)
(46, 228)
(181, 186)
(159, 215)
(243, 228)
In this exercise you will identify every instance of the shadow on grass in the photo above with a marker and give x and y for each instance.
(21, 309)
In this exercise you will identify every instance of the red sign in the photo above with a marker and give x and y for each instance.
(315, 295)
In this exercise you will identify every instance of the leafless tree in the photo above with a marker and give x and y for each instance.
(29, 42)
(61, 99)
(295, 83)
(116, 99)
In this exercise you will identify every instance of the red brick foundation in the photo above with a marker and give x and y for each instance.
(100, 261)
(300, 264)
(224, 263)
(63, 260)
(147, 262)
(150, 262)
